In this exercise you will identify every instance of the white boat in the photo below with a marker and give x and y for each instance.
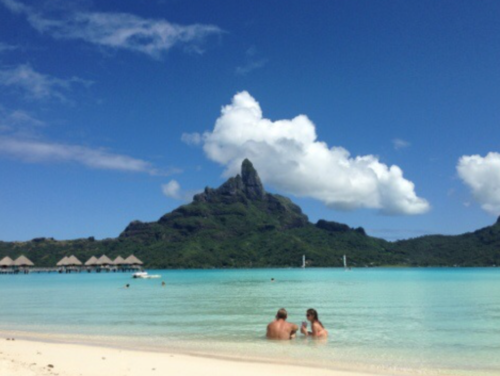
(303, 261)
(145, 275)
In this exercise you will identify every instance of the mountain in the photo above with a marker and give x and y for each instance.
(478, 248)
(239, 224)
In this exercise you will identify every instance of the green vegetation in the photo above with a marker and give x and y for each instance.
(478, 248)
(240, 225)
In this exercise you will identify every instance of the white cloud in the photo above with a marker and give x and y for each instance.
(172, 189)
(288, 156)
(118, 30)
(19, 123)
(400, 144)
(482, 176)
(250, 66)
(36, 151)
(36, 85)
(19, 117)
(191, 138)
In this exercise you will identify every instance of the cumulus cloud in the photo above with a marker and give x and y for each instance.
(118, 30)
(36, 151)
(482, 176)
(172, 189)
(399, 144)
(289, 157)
(37, 85)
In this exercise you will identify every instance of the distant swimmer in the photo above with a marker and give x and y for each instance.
(272, 279)
(127, 286)
(280, 329)
(317, 328)
(163, 283)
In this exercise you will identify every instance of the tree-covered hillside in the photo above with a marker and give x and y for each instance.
(241, 225)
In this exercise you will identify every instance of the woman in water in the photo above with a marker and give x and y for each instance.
(318, 330)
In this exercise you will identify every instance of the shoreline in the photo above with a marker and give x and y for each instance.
(24, 357)
(121, 344)
(73, 352)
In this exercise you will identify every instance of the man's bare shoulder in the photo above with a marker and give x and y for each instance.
(272, 326)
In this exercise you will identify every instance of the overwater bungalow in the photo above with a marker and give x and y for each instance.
(73, 261)
(91, 264)
(91, 261)
(119, 263)
(63, 261)
(104, 263)
(69, 264)
(6, 264)
(22, 264)
(134, 262)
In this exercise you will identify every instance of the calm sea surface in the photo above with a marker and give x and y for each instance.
(416, 321)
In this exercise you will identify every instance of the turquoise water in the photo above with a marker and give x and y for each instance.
(416, 321)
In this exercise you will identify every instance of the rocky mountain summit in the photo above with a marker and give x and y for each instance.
(242, 197)
(246, 186)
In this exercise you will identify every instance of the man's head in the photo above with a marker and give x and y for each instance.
(282, 314)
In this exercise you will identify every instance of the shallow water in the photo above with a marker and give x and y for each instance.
(435, 321)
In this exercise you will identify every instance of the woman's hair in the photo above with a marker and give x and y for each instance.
(312, 312)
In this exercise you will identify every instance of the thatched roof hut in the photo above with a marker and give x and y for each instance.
(119, 261)
(23, 261)
(6, 262)
(73, 261)
(132, 260)
(104, 260)
(63, 261)
(91, 261)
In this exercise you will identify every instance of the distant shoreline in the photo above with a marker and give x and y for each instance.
(270, 268)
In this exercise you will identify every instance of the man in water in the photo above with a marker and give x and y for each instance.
(279, 328)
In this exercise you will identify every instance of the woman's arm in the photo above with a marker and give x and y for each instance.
(303, 330)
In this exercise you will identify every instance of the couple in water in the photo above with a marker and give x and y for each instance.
(280, 329)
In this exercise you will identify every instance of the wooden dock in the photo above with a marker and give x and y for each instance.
(68, 265)
(63, 270)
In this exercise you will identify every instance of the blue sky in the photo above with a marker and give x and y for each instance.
(110, 111)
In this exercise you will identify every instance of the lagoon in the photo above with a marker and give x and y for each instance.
(432, 320)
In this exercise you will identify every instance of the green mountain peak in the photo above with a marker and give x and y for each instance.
(240, 188)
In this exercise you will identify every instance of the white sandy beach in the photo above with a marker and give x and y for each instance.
(33, 358)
